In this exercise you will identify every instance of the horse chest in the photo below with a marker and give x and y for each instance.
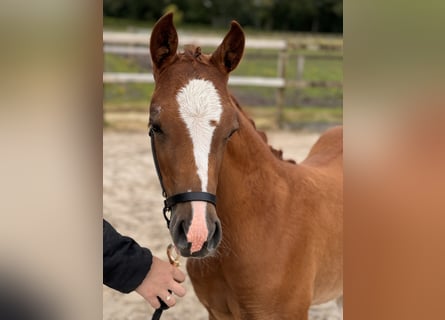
(211, 289)
(225, 294)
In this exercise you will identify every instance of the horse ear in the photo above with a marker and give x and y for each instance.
(163, 41)
(229, 53)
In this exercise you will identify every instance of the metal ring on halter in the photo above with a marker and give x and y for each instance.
(173, 255)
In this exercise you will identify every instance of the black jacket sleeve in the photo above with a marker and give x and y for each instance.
(125, 263)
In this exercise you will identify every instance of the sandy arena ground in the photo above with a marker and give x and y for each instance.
(132, 203)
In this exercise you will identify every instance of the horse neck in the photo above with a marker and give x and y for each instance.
(250, 175)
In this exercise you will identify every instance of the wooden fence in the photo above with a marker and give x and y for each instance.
(137, 44)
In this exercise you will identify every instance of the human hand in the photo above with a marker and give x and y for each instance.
(161, 278)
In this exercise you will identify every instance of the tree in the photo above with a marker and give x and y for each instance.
(177, 14)
(298, 15)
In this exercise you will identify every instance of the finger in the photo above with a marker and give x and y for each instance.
(169, 299)
(178, 275)
(177, 289)
(154, 302)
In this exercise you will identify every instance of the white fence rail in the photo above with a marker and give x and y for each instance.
(120, 77)
(204, 41)
(137, 44)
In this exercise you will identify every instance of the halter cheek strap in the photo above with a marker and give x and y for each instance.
(173, 200)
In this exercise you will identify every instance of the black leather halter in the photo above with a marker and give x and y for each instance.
(171, 201)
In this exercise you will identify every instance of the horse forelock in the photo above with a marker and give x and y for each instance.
(193, 53)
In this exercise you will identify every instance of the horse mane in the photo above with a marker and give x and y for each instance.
(276, 152)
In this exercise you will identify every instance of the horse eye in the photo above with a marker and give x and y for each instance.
(156, 128)
(231, 133)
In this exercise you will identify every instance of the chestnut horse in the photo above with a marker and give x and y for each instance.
(264, 235)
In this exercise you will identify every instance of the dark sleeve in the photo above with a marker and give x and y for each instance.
(125, 263)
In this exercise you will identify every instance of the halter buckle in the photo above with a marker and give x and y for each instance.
(164, 211)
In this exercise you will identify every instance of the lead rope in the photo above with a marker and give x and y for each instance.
(158, 313)
(174, 261)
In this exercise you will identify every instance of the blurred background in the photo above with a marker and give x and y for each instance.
(290, 77)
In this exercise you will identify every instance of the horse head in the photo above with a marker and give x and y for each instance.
(192, 118)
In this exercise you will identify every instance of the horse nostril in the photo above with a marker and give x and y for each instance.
(180, 235)
(215, 237)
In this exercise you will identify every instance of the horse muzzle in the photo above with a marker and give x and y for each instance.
(195, 229)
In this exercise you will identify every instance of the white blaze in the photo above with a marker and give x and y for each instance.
(199, 105)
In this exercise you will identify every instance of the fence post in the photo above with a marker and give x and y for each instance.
(280, 94)
(300, 72)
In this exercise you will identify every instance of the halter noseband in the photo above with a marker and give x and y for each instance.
(173, 200)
